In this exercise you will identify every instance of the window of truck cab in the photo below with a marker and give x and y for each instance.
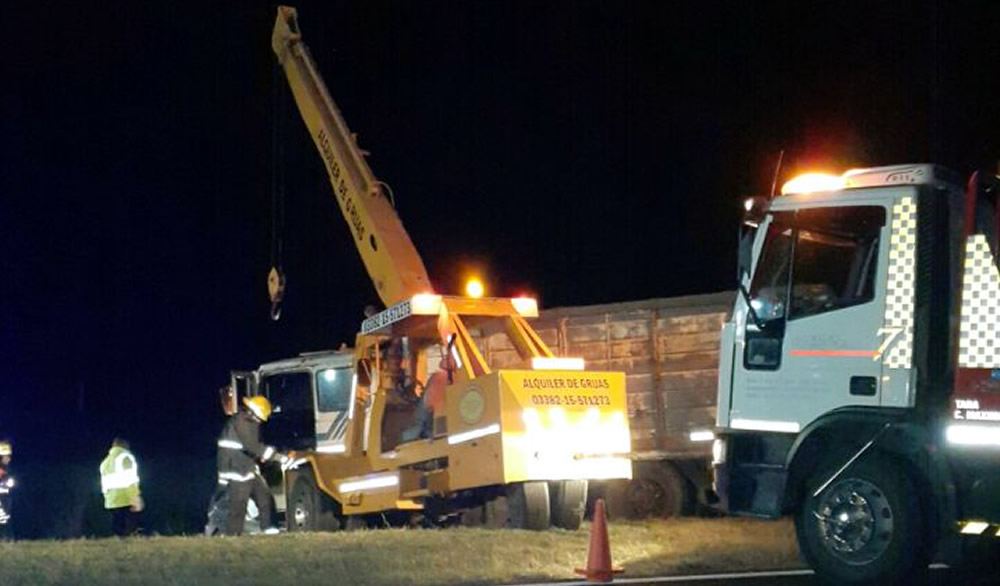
(333, 389)
(828, 255)
(292, 423)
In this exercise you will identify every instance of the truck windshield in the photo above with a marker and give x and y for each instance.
(817, 260)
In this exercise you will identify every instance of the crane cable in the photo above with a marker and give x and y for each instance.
(276, 276)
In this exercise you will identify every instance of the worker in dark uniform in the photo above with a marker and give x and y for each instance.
(239, 452)
(6, 488)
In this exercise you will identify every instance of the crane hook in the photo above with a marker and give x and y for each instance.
(276, 291)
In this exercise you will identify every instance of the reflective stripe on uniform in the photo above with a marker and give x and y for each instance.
(236, 476)
(120, 477)
(230, 444)
(267, 453)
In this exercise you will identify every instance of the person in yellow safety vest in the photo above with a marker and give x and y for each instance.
(120, 485)
(6, 486)
(240, 449)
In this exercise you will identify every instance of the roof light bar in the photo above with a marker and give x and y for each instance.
(813, 182)
(526, 306)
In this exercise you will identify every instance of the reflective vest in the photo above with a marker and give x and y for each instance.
(119, 478)
(6, 484)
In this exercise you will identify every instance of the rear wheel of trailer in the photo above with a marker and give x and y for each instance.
(528, 506)
(657, 490)
(568, 503)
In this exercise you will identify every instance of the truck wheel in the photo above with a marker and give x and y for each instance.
(528, 505)
(307, 510)
(656, 490)
(568, 503)
(865, 527)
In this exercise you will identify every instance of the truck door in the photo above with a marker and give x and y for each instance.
(818, 292)
(333, 400)
(292, 424)
(242, 384)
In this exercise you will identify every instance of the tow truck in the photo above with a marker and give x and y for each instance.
(859, 386)
(368, 447)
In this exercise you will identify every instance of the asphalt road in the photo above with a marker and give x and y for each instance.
(938, 577)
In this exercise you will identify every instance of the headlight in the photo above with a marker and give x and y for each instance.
(718, 451)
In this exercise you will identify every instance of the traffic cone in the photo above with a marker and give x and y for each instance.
(599, 568)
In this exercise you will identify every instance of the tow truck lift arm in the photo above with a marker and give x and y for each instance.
(389, 255)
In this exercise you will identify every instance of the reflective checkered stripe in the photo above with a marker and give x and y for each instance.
(979, 338)
(899, 293)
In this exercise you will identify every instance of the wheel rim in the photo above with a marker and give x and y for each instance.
(855, 521)
(645, 497)
(301, 515)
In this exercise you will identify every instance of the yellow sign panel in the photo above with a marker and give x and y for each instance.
(560, 425)
(568, 389)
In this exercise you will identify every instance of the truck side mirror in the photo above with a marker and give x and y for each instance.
(755, 211)
(745, 259)
(227, 397)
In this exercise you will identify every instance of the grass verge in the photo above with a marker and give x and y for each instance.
(448, 557)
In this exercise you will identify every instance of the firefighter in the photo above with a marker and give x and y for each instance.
(120, 486)
(6, 486)
(239, 452)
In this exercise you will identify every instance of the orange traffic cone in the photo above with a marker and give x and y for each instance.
(599, 568)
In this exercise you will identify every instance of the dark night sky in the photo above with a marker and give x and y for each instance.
(587, 152)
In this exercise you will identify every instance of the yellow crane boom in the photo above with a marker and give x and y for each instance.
(389, 255)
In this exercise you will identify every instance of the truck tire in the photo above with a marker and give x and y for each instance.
(865, 527)
(568, 503)
(307, 509)
(528, 506)
(657, 489)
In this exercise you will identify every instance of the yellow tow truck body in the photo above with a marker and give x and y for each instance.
(531, 436)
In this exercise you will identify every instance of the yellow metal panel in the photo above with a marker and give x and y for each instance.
(470, 352)
(539, 347)
(494, 306)
(470, 407)
(473, 405)
(476, 463)
(563, 425)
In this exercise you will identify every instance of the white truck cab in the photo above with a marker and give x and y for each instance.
(865, 322)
